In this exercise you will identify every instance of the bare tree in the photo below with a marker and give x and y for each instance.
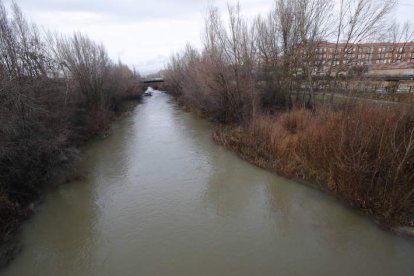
(313, 20)
(41, 120)
(358, 21)
(399, 35)
(87, 63)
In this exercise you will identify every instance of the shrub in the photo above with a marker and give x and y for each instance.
(363, 153)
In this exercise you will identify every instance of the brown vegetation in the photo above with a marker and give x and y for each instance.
(258, 79)
(55, 93)
(365, 154)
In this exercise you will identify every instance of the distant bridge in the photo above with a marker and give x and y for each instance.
(151, 83)
(154, 80)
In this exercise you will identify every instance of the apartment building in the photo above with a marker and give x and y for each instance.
(341, 57)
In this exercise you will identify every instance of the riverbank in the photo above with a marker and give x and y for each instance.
(13, 214)
(363, 155)
(52, 103)
(159, 184)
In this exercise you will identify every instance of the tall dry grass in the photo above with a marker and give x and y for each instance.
(365, 154)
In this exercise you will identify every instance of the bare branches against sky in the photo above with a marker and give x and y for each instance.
(142, 33)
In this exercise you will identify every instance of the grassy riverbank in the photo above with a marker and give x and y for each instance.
(258, 79)
(364, 155)
(361, 153)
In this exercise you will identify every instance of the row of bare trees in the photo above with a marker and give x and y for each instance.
(249, 69)
(55, 91)
(274, 60)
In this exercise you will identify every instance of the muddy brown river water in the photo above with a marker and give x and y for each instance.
(161, 198)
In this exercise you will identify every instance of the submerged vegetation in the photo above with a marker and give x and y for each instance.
(56, 93)
(258, 80)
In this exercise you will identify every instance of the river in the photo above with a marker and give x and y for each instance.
(160, 198)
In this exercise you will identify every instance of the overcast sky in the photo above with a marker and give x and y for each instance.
(143, 33)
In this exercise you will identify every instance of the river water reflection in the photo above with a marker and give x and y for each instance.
(161, 198)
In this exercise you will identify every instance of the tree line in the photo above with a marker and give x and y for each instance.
(258, 79)
(56, 92)
(273, 61)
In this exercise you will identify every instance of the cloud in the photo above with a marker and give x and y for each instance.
(138, 32)
(143, 33)
(124, 10)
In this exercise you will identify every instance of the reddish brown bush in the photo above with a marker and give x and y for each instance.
(364, 154)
